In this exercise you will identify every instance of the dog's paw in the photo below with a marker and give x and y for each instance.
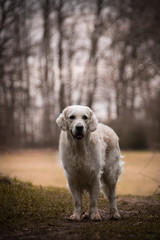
(75, 217)
(85, 215)
(115, 216)
(95, 216)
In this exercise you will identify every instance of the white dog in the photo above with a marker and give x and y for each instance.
(90, 155)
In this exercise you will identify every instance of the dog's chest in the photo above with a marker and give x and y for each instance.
(81, 162)
(82, 170)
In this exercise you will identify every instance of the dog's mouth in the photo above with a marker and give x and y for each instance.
(78, 136)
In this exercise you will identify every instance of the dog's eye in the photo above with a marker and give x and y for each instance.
(85, 117)
(72, 117)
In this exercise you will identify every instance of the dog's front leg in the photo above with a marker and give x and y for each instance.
(77, 199)
(94, 194)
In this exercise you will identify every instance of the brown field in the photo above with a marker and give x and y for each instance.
(141, 175)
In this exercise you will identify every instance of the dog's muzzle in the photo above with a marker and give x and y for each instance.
(79, 131)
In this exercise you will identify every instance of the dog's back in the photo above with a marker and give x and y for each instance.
(108, 136)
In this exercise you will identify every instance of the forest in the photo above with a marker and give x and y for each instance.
(101, 53)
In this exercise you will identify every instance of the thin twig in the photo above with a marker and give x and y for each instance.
(146, 164)
(156, 190)
(154, 179)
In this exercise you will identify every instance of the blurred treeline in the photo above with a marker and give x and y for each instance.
(100, 53)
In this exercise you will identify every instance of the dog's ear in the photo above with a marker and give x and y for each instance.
(93, 122)
(61, 122)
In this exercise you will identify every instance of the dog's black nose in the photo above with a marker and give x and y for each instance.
(79, 127)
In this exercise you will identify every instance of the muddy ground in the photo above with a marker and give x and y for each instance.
(140, 219)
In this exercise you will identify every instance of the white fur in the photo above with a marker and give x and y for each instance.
(90, 163)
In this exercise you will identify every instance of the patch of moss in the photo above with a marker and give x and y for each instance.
(25, 205)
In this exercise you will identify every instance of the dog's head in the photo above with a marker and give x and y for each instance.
(78, 120)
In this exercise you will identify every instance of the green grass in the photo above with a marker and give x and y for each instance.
(25, 205)
(44, 210)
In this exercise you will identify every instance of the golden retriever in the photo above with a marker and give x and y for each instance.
(91, 159)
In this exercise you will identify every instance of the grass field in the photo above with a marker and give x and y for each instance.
(35, 212)
(141, 175)
(42, 212)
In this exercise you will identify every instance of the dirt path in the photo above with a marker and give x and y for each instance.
(140, 220)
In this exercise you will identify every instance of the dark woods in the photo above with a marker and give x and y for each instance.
(101, 53)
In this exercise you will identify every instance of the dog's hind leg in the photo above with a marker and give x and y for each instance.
(114, 214)
(109, 179)
(109, 191)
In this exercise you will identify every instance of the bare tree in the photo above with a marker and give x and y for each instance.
(54, 53)
(60, 20)
(47, 71)
(93, 56)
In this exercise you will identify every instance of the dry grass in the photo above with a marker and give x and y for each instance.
(141, 174)
(42, 167)
(33, 212)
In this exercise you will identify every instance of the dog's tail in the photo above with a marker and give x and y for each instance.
(121, 165)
